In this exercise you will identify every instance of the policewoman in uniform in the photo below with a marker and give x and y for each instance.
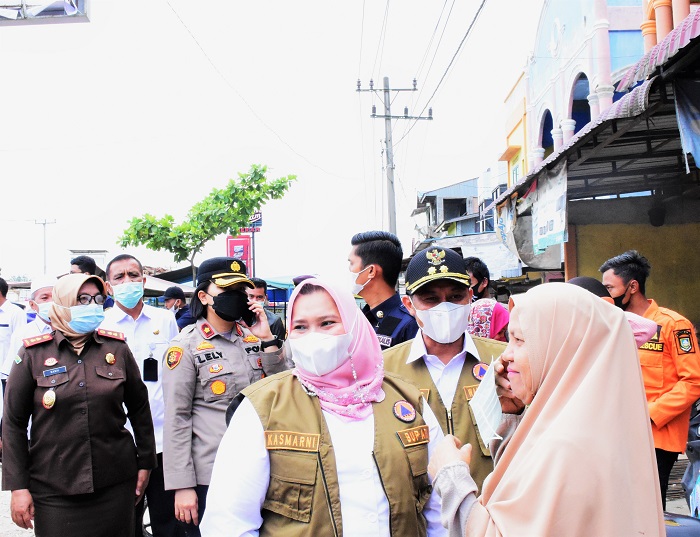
(334, 447)
(82, 471)
(444, 361)
(206, 366)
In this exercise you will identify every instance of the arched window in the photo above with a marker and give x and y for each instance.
(547, 126)
(580, 109)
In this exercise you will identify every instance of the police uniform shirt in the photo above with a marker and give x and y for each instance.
(148, 337)
(244, 460)
(445, 376)
(79, 443)
(204, 371)
(391, 321)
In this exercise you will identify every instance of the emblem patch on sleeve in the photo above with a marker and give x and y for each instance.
(173, 357)
(684, 341)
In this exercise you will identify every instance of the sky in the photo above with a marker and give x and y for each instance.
(145, 109)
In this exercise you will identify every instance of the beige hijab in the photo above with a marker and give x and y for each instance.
(582, 460)
(65, 293)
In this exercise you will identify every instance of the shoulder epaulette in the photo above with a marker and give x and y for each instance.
(111, 334)
(31, 341)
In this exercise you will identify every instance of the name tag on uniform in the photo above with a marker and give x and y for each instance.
(384, 340)
(54, 371)
(415, 436)
(291, 440)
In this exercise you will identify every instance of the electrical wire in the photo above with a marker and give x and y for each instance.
(382, 38)
(240, 96)
(447, 70)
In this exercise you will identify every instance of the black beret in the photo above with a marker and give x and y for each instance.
(435, 263)
(223, 271)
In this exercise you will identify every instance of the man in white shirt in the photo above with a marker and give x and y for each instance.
(444, 361)
(148, 331)
(12, 318)
(40, 300)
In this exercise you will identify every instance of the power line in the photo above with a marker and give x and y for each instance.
(430, 42)
(454, 56)
(240, 96)
(382, 38)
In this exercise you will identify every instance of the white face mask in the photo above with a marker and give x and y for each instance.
(173, 308)
(356, 288)
(446, 322)
(319, 354)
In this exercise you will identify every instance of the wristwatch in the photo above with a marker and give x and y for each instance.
(273, 342)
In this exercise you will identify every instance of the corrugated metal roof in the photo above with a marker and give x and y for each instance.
(678, 38)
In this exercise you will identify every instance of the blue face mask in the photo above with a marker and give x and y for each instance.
(128, 294)
(86, 319)
(43, 312)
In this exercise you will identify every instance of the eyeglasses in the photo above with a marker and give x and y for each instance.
(85, 299)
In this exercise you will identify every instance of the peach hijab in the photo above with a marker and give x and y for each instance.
(581, 461)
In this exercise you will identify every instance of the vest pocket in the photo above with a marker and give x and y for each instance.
(292, 479)
(652, 369)
(217, 381)
(418, 461)
(482, 445)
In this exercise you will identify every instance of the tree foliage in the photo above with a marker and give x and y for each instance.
(223, 211)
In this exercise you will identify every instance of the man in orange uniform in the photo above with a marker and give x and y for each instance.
(669, 361)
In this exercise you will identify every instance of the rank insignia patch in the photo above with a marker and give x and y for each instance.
(250, 339)
(479, 370)
(218, 387)
(216, 368)
(684, 340)
(404, 411)
(173, 357)
(50, 362)
(204, 346)
(206, 330)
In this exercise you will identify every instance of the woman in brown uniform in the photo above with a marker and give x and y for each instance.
(81, 471)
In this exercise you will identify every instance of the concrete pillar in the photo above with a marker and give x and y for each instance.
(558, 138)
(681, 9)
(537, 156)
(568, 126)
(593, 105)
(602, 74)
(664, 18)
(649, 34)
(605, 97)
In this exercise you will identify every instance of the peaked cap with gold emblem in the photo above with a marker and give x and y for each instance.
(223, 271)
(435, 263)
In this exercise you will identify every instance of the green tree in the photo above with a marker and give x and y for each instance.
(223, 211)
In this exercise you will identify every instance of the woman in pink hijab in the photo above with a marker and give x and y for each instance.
(488, 318)
(579, 459)
(335, 446)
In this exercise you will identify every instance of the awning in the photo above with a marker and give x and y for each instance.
(678, 38)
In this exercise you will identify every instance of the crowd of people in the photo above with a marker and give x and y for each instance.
(225, 420)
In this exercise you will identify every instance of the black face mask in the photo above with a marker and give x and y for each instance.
(618, 300)
(233, 305)
(476, 294)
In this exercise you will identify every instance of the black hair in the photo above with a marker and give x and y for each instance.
(197, 309)
(259, 283)
(4, 288)
(629, 266)
(592, 285)
(310, 288)
(85, 263)
(382, 248)
(478, 268)
(122, 257)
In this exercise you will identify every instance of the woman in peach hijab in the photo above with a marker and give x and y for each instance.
(579, 459)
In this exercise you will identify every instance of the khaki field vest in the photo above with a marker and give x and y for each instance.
(303, 496)
(459, 421)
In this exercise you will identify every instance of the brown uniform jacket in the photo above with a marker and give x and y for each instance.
(78, 444)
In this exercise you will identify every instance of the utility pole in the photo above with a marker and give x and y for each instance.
(44, 223)
(390, 193)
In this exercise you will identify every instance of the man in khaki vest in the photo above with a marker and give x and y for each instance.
(443, 360)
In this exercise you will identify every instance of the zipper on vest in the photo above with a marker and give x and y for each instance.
(328, 495)
(376, 463)
(450, 425)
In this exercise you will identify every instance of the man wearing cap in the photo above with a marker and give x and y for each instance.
(375, 263)
(176, 302)
(148, 331)
(443, 360)
(40, 300)
(229, 347)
